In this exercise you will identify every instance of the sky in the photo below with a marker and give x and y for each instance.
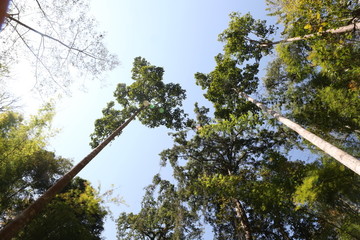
(181, 37)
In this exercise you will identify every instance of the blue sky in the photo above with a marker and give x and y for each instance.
(180, 36)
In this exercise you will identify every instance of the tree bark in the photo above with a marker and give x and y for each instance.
(348, 28)
(3, 8)
(244, 221)
(12, 228)
(343, 157)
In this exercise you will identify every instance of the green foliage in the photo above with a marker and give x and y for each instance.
(332, 191)
(165, 99)
(244, 36)
(222, 83)
(162, 216)
(237, 68)
(300, 17)
(75, 213)
(316, 81)
(237, 160)
(28, 170)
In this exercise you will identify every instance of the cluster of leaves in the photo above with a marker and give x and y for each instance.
(165, 99)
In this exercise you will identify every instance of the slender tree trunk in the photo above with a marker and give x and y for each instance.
(244, 222)
(343, 29)
(343, 157)
(12, 228)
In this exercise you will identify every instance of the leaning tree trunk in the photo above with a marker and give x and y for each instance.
(12, 228)
(348, 28)
(343, 157)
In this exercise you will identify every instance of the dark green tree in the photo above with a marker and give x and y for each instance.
(75, 213)
(235, 174)
(163, 215)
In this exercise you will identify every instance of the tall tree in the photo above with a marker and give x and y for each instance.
(14, 226)
(234, 173)
(163, 215)
(318, 77)
(165, 101)
(60, 40)
(148, 87)
(220, 84)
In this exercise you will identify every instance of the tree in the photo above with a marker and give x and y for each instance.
(324, 67)
(168, 96)
(221, 188)
(75, 213)
(13, 227)
(343, 29)
(60, 40)
(162, 216)
(28, 170)
(234, 173)
(338, 154)
(242, 47)
(165, 101)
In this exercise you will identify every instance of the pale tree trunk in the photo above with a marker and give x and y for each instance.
(12, 228)
(244, 222)
(343, 157)
(348, 28)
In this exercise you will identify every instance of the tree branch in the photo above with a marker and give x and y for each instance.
(52, 38)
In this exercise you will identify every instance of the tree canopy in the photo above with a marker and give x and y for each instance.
(165, 102)
(60, 40)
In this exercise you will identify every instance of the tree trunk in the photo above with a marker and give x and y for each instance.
(343, 29)
(343, 157)
(3, 8)
(244, 222)
(12, 228)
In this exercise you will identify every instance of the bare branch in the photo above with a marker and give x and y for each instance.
(39, 60)
(52, 38)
